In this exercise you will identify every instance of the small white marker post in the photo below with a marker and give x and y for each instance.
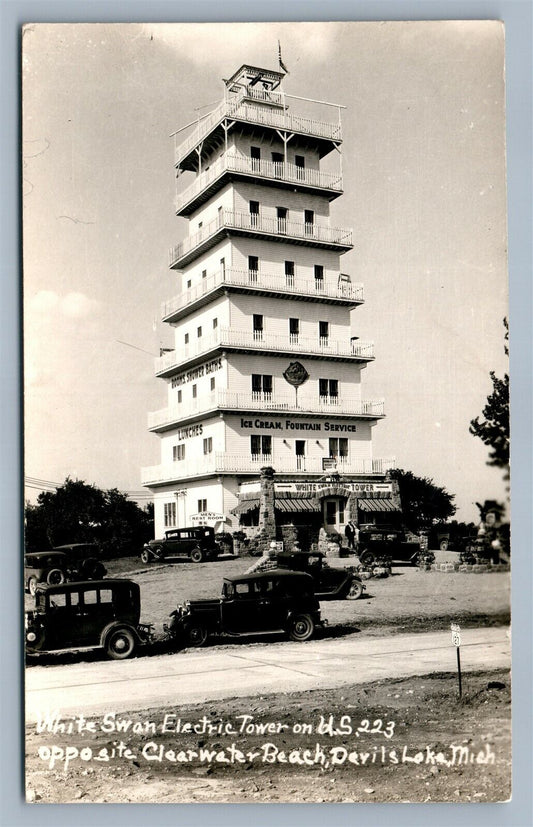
(456, 640)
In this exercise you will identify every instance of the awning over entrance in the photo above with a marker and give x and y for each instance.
(377, 505)
(245, 506)
(296, 504)
(286, 504)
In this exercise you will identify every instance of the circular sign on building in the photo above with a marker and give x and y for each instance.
(296, 374)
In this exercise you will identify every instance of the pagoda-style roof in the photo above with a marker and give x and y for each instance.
(250, 75)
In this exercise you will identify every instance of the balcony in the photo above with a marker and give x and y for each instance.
(228, 338)
(221, 463)
(243, 109)
(336, 290)
(282, 174)
(257, 226)
(167, 418)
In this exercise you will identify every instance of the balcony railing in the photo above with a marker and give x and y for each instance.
(265, 342)
(266, 402)
(243, 110)
(327, 288)
(254, 223)
(269, 170)
(221, 463)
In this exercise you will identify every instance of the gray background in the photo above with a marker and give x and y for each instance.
(518, 18)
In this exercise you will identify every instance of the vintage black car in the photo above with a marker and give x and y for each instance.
(57, 566)
(330, 583)
(99, 613)
(197, 543)
(376, 542)
(277, 600)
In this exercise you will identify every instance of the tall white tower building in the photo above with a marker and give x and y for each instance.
(266, 367)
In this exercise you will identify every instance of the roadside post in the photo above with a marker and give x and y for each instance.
(456, 640)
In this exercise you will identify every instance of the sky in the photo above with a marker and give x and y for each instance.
(424, 180)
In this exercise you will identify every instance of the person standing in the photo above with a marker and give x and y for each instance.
(349, 532)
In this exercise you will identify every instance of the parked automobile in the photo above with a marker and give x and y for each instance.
(80, 551)
(56, 566)
(384, 541)
(99, 613)
(197, 543)
(278, 600)
(330, 583)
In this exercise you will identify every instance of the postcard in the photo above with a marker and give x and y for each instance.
(266, 413)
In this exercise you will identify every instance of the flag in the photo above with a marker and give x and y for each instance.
(281, 64)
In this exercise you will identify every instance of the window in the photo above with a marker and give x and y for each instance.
(309, 221)
(189, 284)
(208, 449)
(258, 327)
(328, 390)
(260, 446)
(254, 213)
(199, 332)
(323, 332)
(212, 382)
(194, 391)
(299, 450)
(338, 447)
(281, 213)
(299, 162)
(289, 273)
(204, 274)
(215, 324)
(223, 266)
(220, 216)
(180, 394)
(253, 268)
(261, 385)
(277, 160)
(90, 598)
(186, 338)
(200, 225)
(178, 452)
(170, 514)
(319, 277)
(255, 155)
(202, 505)
(294, 330)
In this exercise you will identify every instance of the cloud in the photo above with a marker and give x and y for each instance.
(74, 305)
(257, 43)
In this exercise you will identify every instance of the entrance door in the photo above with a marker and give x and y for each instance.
(334, 519)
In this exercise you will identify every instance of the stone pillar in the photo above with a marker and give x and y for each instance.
(267, 517)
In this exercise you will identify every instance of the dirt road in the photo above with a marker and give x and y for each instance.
(240, 670)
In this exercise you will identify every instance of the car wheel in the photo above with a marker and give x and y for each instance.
(302, 627)
(355, 591)
(34, 640)
(32, 585)
(157, 551)
(120, 643)
(196, 635)
(145, 556)
(367, 558)
(197, 555)
(444, 545)
(55, 577)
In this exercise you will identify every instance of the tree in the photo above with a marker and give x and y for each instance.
(423, 502)
(80, 513)
(493, 430)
